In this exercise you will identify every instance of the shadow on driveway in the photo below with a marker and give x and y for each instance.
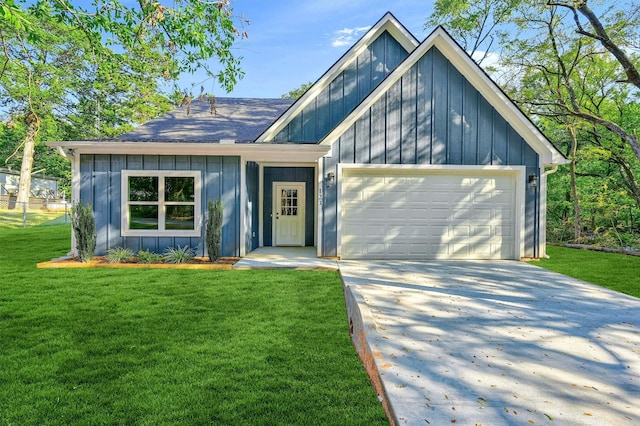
(494, 342)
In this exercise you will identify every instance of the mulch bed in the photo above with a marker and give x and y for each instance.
(224, 263)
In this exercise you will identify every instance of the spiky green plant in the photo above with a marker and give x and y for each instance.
(214, 229)
(84, 230)
(178, 255)
(147, 256)
(119, 255)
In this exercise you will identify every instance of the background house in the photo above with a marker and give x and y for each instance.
(45, 190)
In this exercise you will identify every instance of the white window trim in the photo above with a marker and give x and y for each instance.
(161, 174)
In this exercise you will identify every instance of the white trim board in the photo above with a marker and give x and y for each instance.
(250, 151)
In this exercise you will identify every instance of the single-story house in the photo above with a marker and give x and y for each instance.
(401, 150)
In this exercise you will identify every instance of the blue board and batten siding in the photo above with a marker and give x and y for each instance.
(346, 91)
(100, 185)
(432, 115)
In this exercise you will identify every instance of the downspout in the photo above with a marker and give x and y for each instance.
(551, 171)
(74, 158)
(543, 231)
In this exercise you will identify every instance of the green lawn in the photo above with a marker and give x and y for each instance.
(15, 218)
(615, 271)
(110, 346)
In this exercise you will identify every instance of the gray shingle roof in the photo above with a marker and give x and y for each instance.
(240, 119)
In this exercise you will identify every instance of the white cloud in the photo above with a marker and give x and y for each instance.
(489, 59)
(502, 74)
(347, 36)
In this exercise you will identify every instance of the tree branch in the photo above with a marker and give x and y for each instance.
(633, 75)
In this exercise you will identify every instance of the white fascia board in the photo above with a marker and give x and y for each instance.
(250, 152)
(388, 23)
(549, 155)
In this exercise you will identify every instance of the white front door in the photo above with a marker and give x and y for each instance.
(288, 213)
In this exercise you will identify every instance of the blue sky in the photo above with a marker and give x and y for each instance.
(291, 42)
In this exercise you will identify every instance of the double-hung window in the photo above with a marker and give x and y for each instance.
(158, 202)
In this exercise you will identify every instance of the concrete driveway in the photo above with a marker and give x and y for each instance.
(494, 342)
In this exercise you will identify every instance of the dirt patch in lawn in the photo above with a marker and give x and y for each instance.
(224, 263)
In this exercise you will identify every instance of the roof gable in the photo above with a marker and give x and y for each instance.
(488, 89)
(387, 31)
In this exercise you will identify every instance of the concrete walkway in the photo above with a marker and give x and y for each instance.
(494, 343)
(285, 258)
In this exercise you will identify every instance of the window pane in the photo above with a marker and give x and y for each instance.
(179, 189)
(143, 217)
(143, 188)
(180, 217)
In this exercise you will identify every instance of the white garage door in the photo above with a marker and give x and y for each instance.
(424, 215)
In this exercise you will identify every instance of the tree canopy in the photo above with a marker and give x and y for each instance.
(298, 91)
(74, 70)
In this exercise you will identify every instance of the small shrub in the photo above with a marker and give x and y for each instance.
(84, 230)
(178, 255)
(146, 256)
(119, 255)
(214, 229)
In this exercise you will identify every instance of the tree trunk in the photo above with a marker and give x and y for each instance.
(577, 221)
(24, 186)
(629, 180)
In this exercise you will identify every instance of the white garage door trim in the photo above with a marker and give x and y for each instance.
(516, 172)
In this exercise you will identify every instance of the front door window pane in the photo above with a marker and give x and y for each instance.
(143, 217)
(289, 202)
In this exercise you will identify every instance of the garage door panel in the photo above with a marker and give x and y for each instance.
(460, 231)
(427, 216)
(461, 213)
(503, 214)
(397, 249)
(483, 214)
(503, 231)
(441, 213)
(415, 213)
(481, 231)
(459, 251)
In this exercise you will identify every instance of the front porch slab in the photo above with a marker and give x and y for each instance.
(286, 258)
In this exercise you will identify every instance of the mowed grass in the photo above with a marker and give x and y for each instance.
(615, 271)
(16, 218)
(109, 346)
